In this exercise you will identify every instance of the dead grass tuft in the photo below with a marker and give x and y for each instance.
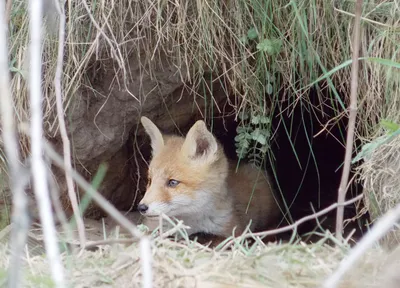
(188, 264)
(254, 49)
(379, 175)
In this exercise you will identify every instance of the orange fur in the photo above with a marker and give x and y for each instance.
(211, 196)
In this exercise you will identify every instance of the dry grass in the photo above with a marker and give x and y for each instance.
(380, 178)
(253, 47)
(188, 264)
(379, 174)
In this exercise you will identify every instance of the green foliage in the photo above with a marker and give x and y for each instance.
(253, 135)
(41, 281)
(3, 275)
(252, 34)
(392, 127)
(270, 46)
(4, 218)
(14, 69)
(87, 198)
(369, 148)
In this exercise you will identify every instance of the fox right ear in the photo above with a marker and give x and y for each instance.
(157, 141)
(200, 144)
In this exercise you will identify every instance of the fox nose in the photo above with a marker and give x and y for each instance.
(142, 208)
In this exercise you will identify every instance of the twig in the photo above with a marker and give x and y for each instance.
(96, 196)
(365, 19)
(352, 123)
(145, 257)
(295, 224)
(8, 12)
(179, 226)
(58, 209)
(39, 174)
(112, 211)
(63, 129)
(381, 227)
(7, 107)
(18, 178)
(92, 244)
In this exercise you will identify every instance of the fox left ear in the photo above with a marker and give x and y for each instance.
(200, 144)
(157, 141)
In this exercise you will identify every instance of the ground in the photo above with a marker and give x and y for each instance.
(189, 264)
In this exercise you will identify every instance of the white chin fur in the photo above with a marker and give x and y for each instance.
(179, 205)
(157, 208)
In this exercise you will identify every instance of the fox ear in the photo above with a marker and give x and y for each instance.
(157, 141)
(200, 144)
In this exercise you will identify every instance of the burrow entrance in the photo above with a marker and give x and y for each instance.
(306, 168)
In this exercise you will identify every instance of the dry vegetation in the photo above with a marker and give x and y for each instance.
(189, 264)
(256, 48)
(252, 46)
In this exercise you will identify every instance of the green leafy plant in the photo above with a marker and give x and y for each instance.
(367, 149)
(270, 46)
(253, 135)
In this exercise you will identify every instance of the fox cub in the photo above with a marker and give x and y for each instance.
(192, 180)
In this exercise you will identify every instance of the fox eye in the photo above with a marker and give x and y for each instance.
(172, 183)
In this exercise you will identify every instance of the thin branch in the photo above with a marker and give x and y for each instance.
(113, 212)
(63, 129)
(7, 106)
(97, 197)
(92, 244)
(8, 12)
(381, 227)
(19, 177)
(365, 19)
(145, 256)
(352, 123)
(39, 172)
(295, 224)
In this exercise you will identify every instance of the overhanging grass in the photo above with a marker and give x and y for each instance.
(255, 47)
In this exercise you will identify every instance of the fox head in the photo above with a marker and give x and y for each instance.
(183, 172)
